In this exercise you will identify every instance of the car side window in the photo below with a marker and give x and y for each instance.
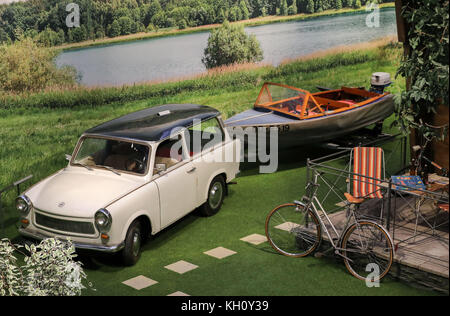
(205, 135)
(169, 153)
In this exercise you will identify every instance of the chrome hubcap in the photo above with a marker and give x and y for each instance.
(215, 195)
(136, 244)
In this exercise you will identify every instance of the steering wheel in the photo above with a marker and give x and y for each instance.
(140, 164)
(135, 165)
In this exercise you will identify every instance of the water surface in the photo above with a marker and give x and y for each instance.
(179, 56)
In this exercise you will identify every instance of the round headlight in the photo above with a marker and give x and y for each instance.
(103, 220)
(23, 205)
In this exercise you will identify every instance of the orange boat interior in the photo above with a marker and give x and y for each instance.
(304, 105)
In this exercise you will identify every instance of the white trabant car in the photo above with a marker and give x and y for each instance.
(131, 177)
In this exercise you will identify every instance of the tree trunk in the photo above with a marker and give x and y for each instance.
(440, 148)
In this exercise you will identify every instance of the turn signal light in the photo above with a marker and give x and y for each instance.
(104, 237)
(24, 222)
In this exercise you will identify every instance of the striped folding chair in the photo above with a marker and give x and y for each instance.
(367, 172)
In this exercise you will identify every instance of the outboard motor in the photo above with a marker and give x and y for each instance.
(379, 81)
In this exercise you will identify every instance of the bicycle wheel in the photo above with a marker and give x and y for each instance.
(367, 249)
(292, 230)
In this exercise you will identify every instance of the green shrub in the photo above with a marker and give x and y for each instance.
(229, 45)
(27, 67)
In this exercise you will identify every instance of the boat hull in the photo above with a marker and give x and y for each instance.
(294, 132)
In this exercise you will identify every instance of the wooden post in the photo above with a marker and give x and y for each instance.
(402, 34)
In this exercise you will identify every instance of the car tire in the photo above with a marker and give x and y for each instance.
(216, 195)
(133, 242)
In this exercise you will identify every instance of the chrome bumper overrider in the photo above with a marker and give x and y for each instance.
(107, 249)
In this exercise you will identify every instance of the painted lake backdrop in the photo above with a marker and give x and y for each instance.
(180, 56)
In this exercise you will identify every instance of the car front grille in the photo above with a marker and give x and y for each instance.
(64, 225)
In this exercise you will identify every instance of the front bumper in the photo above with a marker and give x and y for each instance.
(77, 245)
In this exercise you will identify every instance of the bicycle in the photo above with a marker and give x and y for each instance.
(295, 230)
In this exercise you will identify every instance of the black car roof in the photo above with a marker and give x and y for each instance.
(154, 124)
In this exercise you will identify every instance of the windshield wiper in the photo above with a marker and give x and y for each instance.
(83, 165)
(110, 169)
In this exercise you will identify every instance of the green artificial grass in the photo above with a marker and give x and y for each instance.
(33, 140)
(253, 270)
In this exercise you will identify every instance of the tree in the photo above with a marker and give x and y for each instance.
(159, 19)
(182, 24)
(357, 4)
(48, 37)
(229, 44)
(244, 10)
(235, 14)
(318, 6)
(221, 16)
(125, 24)
(338, 5)
(4, 38)
(292, 10)
(114, 29)
(283, 7)
(79, 34)
(310, 6)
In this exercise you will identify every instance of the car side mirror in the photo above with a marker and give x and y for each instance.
(160, 167)
(68, 157)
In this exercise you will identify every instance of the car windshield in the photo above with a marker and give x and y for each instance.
(113, 155)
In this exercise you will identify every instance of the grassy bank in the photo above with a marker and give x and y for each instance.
(35, 135)
(205, 28)
(229, 78)
(36, 130)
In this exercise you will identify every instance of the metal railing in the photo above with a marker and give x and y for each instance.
(2, 191)
(335, 174)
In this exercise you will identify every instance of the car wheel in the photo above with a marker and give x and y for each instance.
(133, 241)
(216, 194)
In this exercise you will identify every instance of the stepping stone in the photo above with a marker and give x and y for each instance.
(255, 239)
(140, 282)
(181, 267)
(287, 226)
(220, 252)
(178, 293)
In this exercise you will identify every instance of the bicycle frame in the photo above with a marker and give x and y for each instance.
(314, 204)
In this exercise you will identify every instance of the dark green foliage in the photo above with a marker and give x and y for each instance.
(235, 14)
(229, 45)
(100, 17)
(244, 10)
(125, 24)
(182, 24)
(283, 7)
(357, 4)
(310, 6)
(427, 65)
(114, 29)
(292, 10)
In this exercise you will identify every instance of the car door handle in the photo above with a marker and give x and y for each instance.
(192, 170)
